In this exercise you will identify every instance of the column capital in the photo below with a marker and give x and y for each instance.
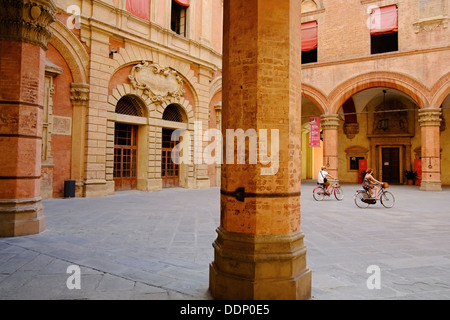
(79, 93)
(430, 117)
(329, 121)
(27, 21)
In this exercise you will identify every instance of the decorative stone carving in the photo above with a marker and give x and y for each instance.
(391, 118)
(27, 21)
(430, 117)
(351, 129)
(79, 93)
(429, 25)
(160, 83)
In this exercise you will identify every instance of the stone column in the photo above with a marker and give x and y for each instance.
(330, 125)
(259, 251)
(80, 99)
(429, 120)
(24, 35)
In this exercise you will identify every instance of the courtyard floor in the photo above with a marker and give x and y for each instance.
(158, 246)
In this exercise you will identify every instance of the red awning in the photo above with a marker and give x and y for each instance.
(139, 8)
(384, 20)
(184, 3)
(309, 36)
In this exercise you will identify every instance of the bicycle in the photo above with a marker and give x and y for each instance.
(320, 192)
(363, 198)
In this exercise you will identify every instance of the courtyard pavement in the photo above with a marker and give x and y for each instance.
(158, 246)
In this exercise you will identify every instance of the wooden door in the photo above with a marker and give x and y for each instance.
(390, 165)
(169, 169)
(125, 157)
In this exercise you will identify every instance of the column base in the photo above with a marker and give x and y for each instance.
(259, 267)
(431, 186)
(21, 217)
(149, 185)
(98, 188)
(202, 183)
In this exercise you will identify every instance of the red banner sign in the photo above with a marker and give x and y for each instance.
(314, 132)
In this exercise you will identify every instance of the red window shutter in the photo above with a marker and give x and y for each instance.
(309, 36)
(139, 8)
(184, 3)
(384, 20)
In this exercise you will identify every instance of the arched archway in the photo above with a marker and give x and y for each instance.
(441, 102)
(314, 105)
(390, 132)
(390, 80)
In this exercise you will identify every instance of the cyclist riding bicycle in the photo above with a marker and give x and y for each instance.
(322, 179)
(370, 183)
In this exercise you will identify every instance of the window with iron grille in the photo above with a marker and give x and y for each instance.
(173, 112)
(130, 106)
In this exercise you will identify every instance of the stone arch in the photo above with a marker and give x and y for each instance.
(403, 83)
(317, 97)
(440, 91)
(153, 110)
(72, 50)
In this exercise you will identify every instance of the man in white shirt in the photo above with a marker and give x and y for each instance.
(322, 178)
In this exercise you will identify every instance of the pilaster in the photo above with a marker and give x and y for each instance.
(80, 101)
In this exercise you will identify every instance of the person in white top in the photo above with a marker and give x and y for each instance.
(322, 178)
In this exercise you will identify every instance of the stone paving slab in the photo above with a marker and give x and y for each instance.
(158, 246)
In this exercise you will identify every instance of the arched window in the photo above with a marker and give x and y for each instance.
(130, 106)
(174, 113)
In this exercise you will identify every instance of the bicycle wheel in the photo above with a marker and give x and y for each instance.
(387, 199)
(339, 193)
(318, 193)
(359, 197)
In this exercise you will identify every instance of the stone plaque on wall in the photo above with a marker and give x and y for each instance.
(160, 83)
(62, 125)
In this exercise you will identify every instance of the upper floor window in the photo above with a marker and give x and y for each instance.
(178, 16)
(139, 8)
(309, 42)
(384, 29)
